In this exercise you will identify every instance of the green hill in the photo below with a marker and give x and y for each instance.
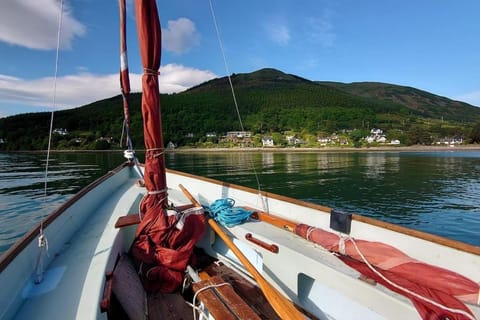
(268, 101)
(420, 102)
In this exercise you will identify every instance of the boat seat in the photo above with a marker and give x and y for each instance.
(135, 303)
(133, 218)
(221, 301)
(128, 220)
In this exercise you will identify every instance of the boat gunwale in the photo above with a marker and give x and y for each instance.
(454, 244)
(8, 256)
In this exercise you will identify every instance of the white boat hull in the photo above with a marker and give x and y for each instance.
(84, 245)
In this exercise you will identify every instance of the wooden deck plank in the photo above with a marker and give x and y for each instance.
(209, 298)
(250, 293)
(234, 301)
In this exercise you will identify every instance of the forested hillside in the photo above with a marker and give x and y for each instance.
(419, 101)
(269, 101)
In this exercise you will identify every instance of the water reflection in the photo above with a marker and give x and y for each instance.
(433, 192)
(23, 199)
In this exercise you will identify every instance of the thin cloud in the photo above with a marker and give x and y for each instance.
(278, 33)
(320, 30)
(83, 88)
(180, 36)
(34, 24)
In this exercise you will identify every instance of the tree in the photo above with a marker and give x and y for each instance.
(357, 135)
(418, 135)
(474, 135)
(278, 139)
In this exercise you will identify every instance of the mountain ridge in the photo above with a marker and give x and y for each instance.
(269, 101)
(413, 98)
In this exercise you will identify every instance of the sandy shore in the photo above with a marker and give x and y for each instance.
(416, 148)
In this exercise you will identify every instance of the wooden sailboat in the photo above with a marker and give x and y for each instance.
(126, 247)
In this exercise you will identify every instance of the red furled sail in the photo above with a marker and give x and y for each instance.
(164, 238)
(149, 38)
(445, 287)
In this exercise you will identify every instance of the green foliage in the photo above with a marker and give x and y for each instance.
(268, 100)
(418, 135)
(474, 135)
(278, 139)
(357, 135)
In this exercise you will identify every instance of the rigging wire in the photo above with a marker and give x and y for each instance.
(235, 98)
(42, 239)
(54, 102)
(226, 64)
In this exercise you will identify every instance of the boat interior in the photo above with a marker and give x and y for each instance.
(79, 262)
(89, 261)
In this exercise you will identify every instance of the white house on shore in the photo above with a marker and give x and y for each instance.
(293, 140)
(60, 131)
(450, 141)
(376, 135)
(238, 134)
(268, 142)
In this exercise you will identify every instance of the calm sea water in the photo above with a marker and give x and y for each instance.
(437, 192)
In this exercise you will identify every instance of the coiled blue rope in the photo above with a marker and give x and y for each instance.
(223, 212)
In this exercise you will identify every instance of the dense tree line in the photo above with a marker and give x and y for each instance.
(268, 102)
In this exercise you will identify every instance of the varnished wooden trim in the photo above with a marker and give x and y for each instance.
(273, 220)
(128, 220)
(14, 250)
(465, 247)
(420, 234)
(267, 246)
(131, 219)
(107, 292)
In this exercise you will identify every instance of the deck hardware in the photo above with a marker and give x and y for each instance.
(270, 247)
(340, 221)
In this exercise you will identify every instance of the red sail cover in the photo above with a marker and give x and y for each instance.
(446, 287)
(162, 245)
(149, 38)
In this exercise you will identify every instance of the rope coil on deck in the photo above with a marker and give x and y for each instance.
(224, 212)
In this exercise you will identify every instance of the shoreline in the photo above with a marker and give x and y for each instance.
(415, 148)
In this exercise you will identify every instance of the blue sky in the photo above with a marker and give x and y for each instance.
(429, 44)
